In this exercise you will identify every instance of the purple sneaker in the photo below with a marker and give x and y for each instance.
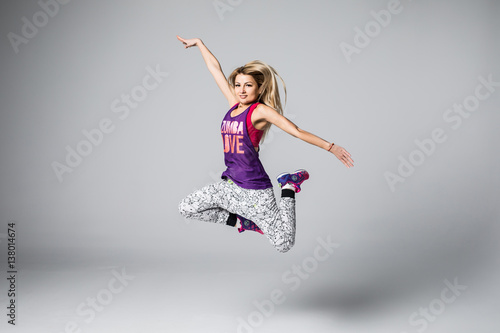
(248, 225)
(295, 179)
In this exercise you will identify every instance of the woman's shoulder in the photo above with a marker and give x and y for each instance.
(262, 108)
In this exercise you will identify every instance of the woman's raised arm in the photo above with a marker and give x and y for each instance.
(213, 66)
(263, 112)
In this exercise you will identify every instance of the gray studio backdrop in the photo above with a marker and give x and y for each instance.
(107, 122)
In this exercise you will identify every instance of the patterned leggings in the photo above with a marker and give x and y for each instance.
(214, 202)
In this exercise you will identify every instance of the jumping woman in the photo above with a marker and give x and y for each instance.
(244, 198)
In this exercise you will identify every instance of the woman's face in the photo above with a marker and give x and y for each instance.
(246, 89)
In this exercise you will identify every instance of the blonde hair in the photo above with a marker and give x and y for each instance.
(265, 76)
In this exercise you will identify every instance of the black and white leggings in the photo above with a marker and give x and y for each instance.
(214, 202)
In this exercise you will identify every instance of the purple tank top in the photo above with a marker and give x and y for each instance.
(243, 165)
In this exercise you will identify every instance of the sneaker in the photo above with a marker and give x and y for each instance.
(248, 225)
(294, 179)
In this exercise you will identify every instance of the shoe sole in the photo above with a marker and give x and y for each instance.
(289, 173)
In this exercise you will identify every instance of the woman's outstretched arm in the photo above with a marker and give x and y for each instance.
(265, 113)
(213, 66)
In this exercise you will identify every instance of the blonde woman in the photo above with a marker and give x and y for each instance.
(244, 198)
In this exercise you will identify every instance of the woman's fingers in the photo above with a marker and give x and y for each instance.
(187, 42)
(350, 162)
(348, 159)
(344, 156)
(184, 41)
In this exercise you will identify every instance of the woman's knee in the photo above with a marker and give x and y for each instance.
(285, 246)
(183, 208)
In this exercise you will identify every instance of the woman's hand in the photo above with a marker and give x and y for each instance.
(213, 66)
(343, 155)
(189, 42)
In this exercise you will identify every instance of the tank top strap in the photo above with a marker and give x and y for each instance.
(253, 108)
(249, 116)
(254, 134)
